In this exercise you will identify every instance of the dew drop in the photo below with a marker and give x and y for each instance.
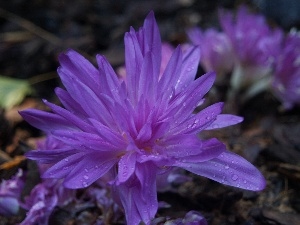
(226, 167)
(84, 184)
(86, 170)
(96, 167)
(245, 182)
(86, 177)
(66, 160)
(234, 177)
(66, 167)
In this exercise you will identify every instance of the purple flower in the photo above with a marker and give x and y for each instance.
(46, 195)
(216, 50)
(254, 42)
(255, 47)
(191, 218)
(133, 130)
(286, 80)
(10, 192)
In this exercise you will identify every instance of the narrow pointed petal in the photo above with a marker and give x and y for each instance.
(171, 73)
(46, 121)
(49, 156)
(191, 59)
(76, 121)
(209, 150)
(126, 166)
(224, 120)
(89, 169)
(69, 103)
(230, 169)
(201, 120)
(77, 67)
(146, 199)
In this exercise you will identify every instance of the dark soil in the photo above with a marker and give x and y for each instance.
(34, 32)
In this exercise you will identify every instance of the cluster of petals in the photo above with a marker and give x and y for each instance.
(286, 81)
(10, 194)
(131, 130)
(216, 50)
(46, 195)
(253, 41)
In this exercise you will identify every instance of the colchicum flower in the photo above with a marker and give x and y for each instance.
(46, 195)
(255, 47)
(129, 131)
(216, 50)
(286, 80)
(10, 194)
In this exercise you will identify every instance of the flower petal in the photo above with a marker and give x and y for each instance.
(224, 120)
(90, 168)
(46, 121)
(126, 166)
(230, 169)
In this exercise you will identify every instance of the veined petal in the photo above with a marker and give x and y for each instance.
(171, 73)
(78, 140)
(230, 169)
(89, 169)
(186, 101)
(108, 134)
(62, 168)
(69, 103)
(210, 149)
(46, 121)
(224, 120)
(126, 166)
(191, 59)
(49, 156)
(108, 78)
(77, 67)
(152, 40)
(200, 121)
(133, 61)
(148, 78)
(146, 199)
(76, 121)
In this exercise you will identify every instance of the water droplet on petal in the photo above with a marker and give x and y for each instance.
(84, 184)
(86, 170)
(66, 160)
(226, 167)
(86, 177)
(234, 177)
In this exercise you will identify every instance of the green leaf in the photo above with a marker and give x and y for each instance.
(13, 91)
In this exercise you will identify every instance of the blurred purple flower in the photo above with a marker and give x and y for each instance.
(10, 193)
(167, 181)
(286, 80)
(111, 212)
(191, 218)
(48, 194)
(255, 47)
(216, 50)
(131, 131)
(254, 42)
